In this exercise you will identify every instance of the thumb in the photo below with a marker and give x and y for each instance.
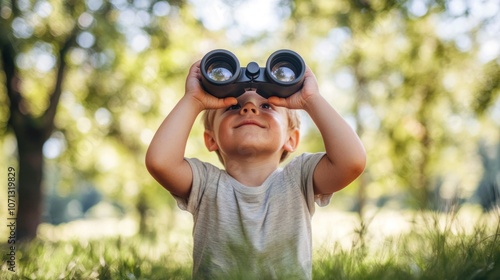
(278, 101)
(223, 102)
(228, 101)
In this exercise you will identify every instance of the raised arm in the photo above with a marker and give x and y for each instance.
(165, 155)
(345, 155)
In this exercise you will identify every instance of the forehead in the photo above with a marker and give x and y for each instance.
(250, 96)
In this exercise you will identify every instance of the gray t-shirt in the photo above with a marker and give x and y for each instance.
(259, 232)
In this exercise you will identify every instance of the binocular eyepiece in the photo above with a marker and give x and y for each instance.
(222, 76)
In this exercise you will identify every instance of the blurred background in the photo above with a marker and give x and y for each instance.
(85, 85)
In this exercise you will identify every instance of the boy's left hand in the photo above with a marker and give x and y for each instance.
(300, 99)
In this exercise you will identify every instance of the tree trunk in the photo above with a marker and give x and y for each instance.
(30, 175)
(31, 133)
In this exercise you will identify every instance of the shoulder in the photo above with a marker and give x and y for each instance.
(201, 167)
(302, 167)
(204, 175)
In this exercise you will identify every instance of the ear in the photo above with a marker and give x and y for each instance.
(210, 142)
(292, 141)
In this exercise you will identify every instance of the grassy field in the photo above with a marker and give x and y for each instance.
(429, 246)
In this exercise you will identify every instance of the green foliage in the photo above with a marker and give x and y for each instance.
(420, 100)
(488, 87)
(410, 82)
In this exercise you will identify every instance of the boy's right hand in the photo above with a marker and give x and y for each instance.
(203, 99)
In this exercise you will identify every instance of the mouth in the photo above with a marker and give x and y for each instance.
(249, 123)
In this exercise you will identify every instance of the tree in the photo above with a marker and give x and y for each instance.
(406, 78)
(47, 31)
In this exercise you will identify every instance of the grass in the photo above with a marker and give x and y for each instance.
(433, 249)
(424, 255)
(110, 258)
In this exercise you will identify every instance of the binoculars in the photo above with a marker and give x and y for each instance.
(222, 76)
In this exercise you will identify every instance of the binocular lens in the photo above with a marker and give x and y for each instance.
(220, 71)
(284, 72)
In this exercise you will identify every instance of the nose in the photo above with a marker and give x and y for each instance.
(249, 107)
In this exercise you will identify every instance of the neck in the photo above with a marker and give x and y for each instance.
(251, 173)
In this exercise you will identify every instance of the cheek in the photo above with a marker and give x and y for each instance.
(221, 128)
(279, 123)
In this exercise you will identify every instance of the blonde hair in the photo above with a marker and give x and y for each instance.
(293, 123)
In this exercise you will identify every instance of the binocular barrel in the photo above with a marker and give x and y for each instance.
(223, 77)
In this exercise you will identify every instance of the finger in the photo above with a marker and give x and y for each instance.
(196, 64)
(195, 67)
(195, 70)
(228, 101)
(277, 101)
(218, 103)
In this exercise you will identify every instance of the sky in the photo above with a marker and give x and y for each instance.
(250, 17)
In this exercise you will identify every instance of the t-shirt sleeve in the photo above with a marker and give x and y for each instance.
(303, 168)
(201, 173)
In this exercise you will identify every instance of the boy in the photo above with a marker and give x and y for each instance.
(253, 219)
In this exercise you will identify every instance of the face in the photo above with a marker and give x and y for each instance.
(251, 128)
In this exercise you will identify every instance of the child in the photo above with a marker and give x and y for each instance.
(253, 219)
